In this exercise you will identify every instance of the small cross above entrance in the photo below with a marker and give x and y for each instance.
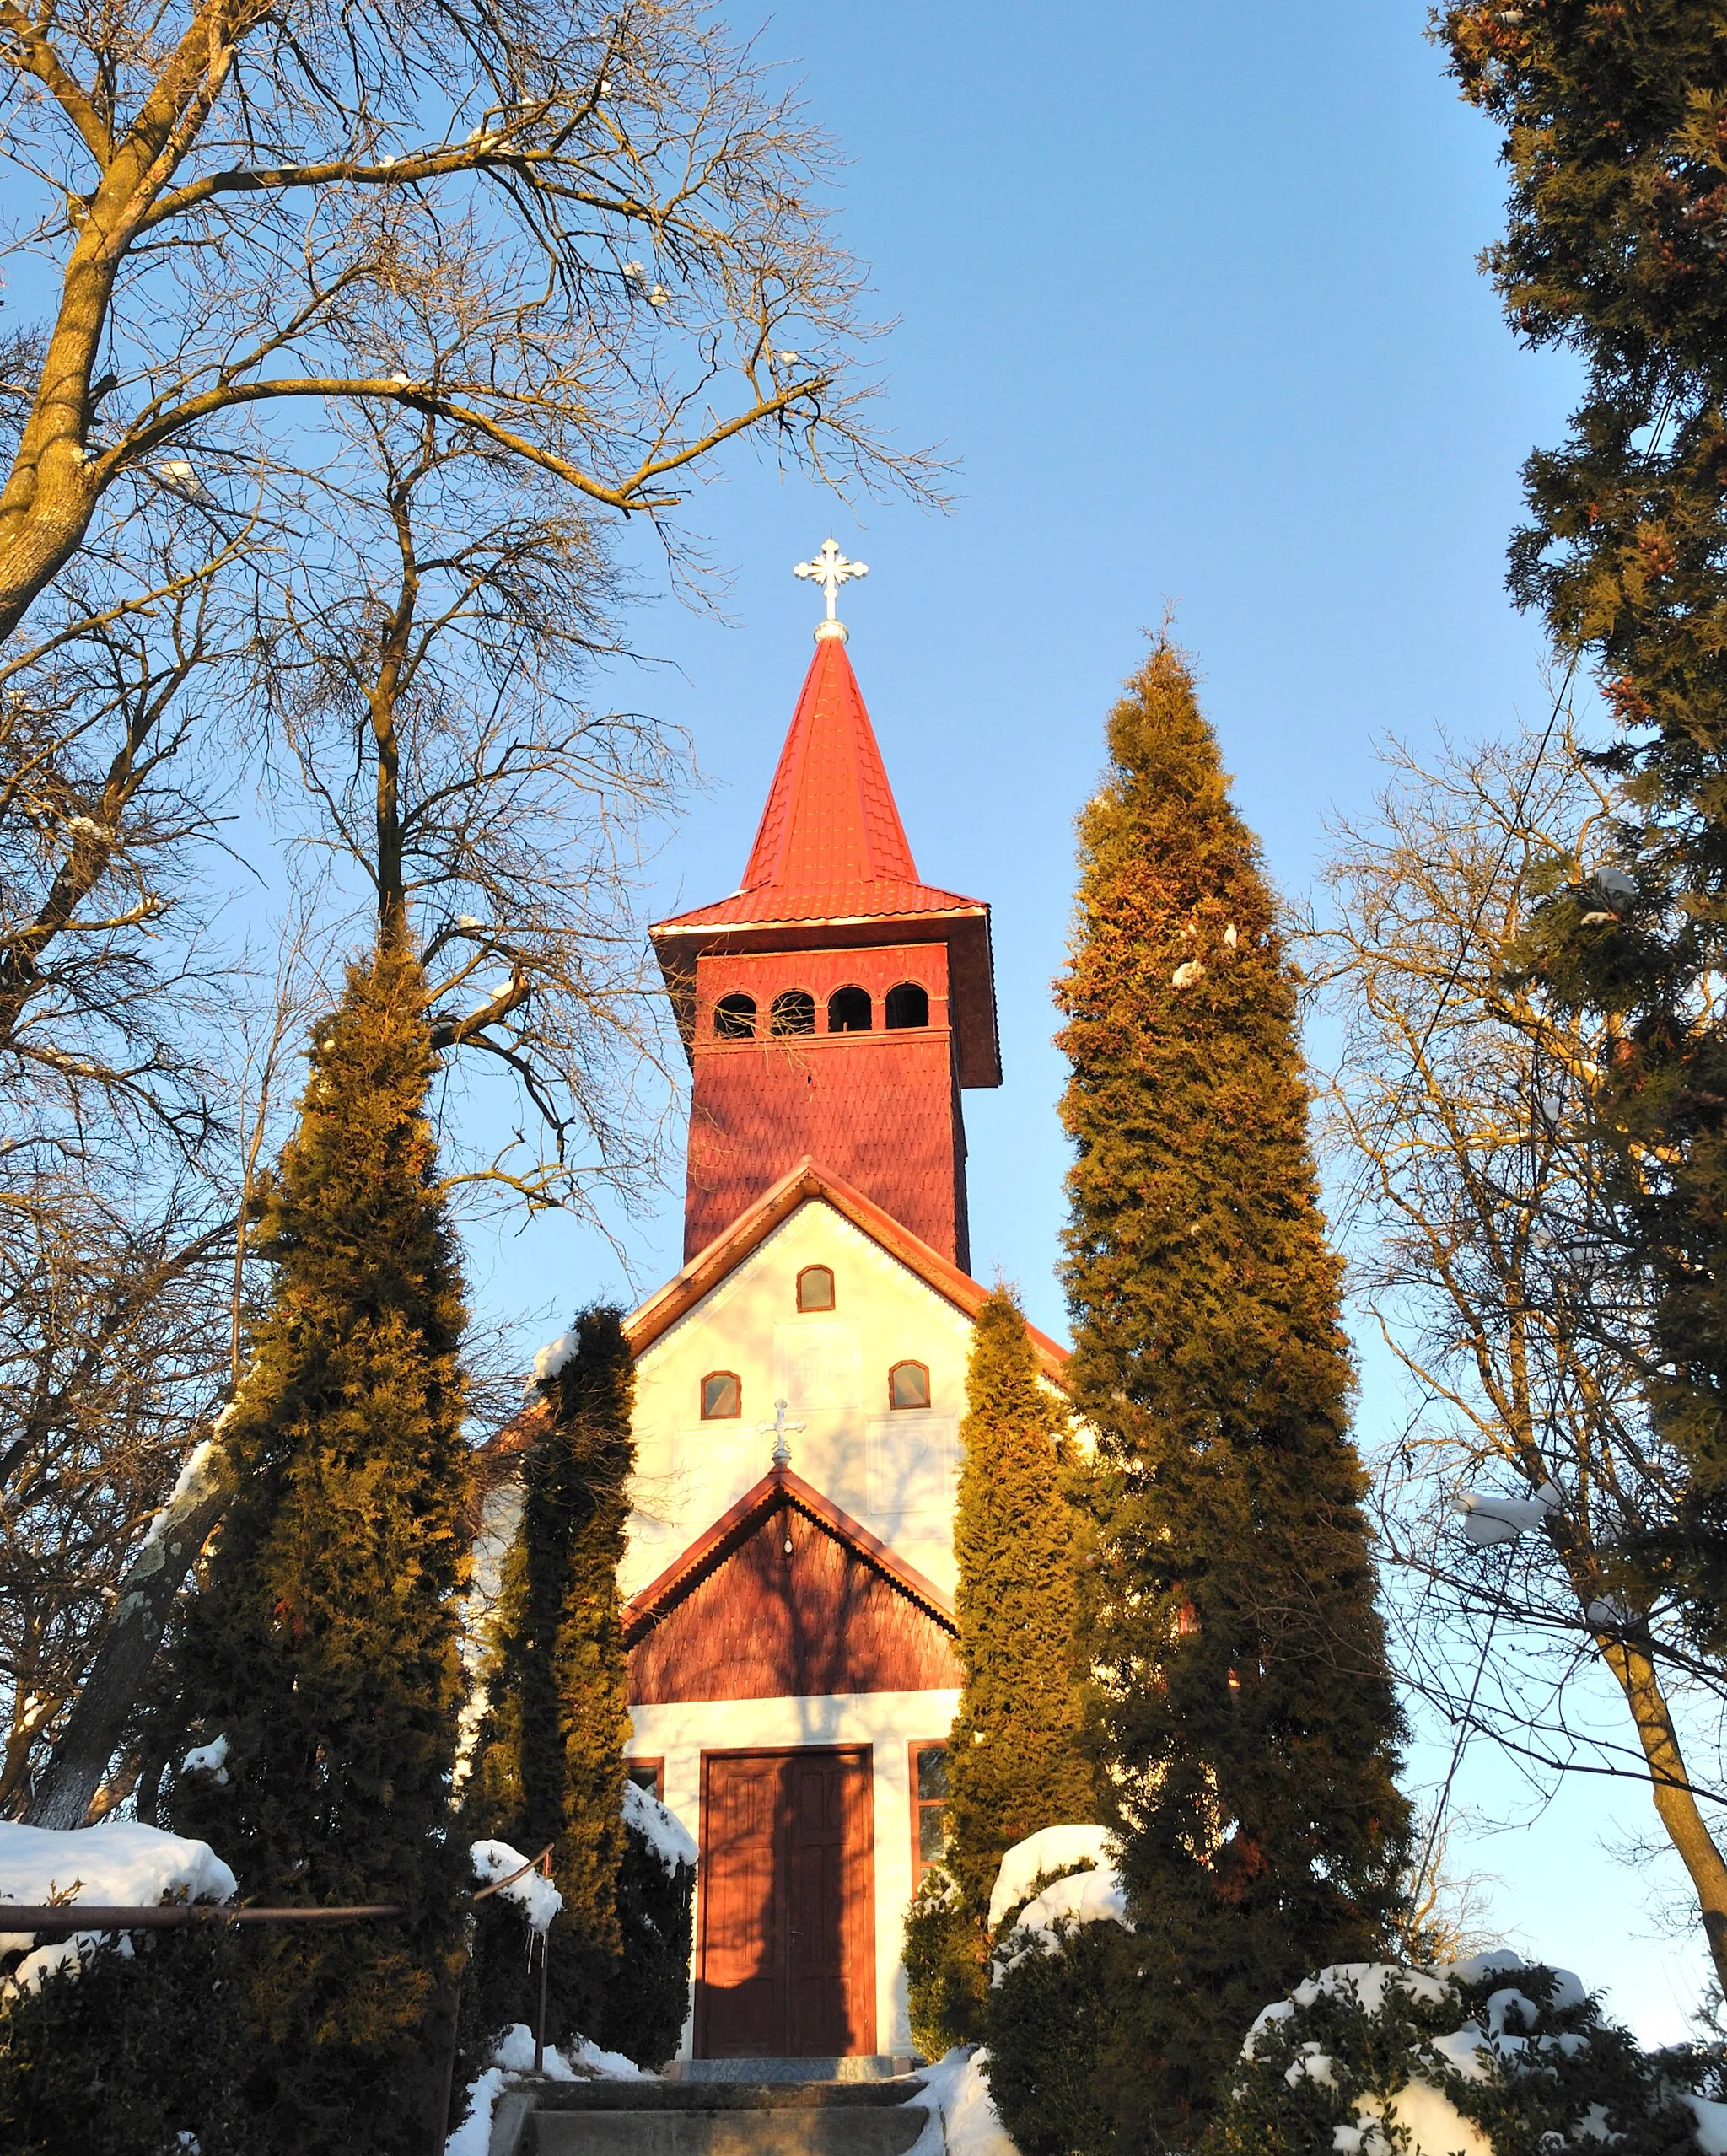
(781, 1431)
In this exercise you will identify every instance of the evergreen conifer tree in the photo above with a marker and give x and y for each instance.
(1612, 122)
(549, 1764)
(323, 1648)
(1245, 1712)
(1016, 1761)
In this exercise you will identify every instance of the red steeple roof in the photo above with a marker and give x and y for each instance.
(831, 816)
(831, 845)
(830, 866)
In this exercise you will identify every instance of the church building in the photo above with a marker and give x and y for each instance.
(790, 1572)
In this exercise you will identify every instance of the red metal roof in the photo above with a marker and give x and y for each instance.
(831, 855)
(831, 846)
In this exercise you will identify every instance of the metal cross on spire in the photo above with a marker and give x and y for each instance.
(830, 569)
(781, 1430)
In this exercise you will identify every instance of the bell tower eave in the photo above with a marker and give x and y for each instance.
(964, 927)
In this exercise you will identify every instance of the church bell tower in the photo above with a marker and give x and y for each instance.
(834, 1006)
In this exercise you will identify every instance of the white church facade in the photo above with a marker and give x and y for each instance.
(790, 1573)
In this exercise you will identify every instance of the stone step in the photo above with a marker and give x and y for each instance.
(722, 2095)
(871, 2066)
(781, 2130)
(707, 2118)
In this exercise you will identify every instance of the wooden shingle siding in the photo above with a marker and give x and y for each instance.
(766, 1626)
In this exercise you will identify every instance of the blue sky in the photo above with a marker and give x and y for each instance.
(1190, 295)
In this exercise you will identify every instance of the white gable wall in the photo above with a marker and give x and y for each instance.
(893, 1470)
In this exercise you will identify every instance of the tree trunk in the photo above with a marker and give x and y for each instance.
(128, 1648)
(1670, 1787)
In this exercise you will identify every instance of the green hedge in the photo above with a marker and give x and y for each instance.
(944, 1966)
(1058, 2028)
(131, 2051)
(645, 2006)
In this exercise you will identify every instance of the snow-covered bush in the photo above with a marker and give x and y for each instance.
(1057, 2023)
(646, 1997)
(119, 2045)
(656, 1901)
(1490, 2057)
(1062, 1976)
(944, 1966)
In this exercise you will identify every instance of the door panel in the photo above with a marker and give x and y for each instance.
(788, 1902)
(743, 1960)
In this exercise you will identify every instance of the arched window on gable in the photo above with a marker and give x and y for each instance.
(907, 1005)
(815, 1287)
(722, 1396)
(908, 1385)
(794, 1012)
(734, 1018)
(849, 1011)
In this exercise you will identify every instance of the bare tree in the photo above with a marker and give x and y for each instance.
(113, 1348)
(238, 210)
(124, 1288)
(456, 293)
(107, 805)
(1493, 1258)
(430, 668)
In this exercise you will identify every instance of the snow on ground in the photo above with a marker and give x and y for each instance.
(116, 1865)
(1058, 1849)
(473, 2136)
(664, 1832)
(533, 1893)
(962, 2117)
(514, 2056)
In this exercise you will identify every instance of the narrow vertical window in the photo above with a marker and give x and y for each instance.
(929, 1805)
(815, 1287)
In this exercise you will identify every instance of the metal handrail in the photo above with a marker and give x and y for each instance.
(521, 1871)
(60, 1920)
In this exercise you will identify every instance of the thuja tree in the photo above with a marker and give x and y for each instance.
(549, 1764)
(1615, 124)
(1015, 1758)
(1243, 1713)
(322, 1655)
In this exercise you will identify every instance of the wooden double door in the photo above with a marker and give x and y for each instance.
(788, 1873)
